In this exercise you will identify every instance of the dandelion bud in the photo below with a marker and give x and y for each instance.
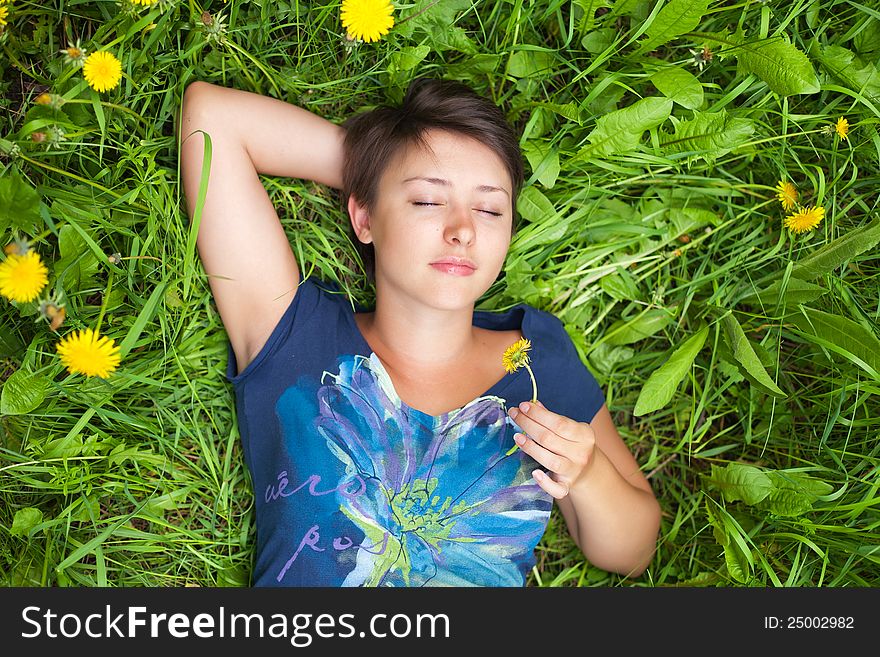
(53, 312)
(115, 258)
(56, 134)
(43, 99)
(38, 137)
(17, 247)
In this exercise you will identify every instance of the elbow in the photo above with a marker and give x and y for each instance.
(648, 547)
(195, 89)
(633, 559)
(191, 106)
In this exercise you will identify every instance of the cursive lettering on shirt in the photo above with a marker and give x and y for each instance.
(311, 538)
(280, 488)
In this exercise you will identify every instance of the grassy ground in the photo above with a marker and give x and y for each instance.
(739, 357)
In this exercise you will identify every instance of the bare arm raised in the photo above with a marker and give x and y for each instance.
(242, 245)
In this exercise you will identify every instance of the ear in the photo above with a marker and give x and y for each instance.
(360, 220)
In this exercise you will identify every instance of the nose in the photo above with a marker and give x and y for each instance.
(460, 225)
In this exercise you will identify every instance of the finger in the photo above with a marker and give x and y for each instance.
(549, 436)
(550, 460)
(554, 488)
(561, 425)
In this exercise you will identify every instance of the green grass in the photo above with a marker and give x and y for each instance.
(636, 244)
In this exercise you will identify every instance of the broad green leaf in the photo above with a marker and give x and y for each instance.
(746, 356)
(408, 57)
(529, 63)
(708, 136)
(621, 130)
(621, 285)
(452, 37)
(863, 77)
(568, 110)
(23, 392)
(688, 220)
(852, 340)
(19, 204)
(588, 16)
(663, 382)
(85, 509)
(677, 17)
(867, 42)
(77, 264)
(425, 13)
(838, 251)
(25, 520)
(737, 561)
(780, 492)
(640, 327)
(10, 344)
(796, 292)
(168, 501)
(794, 493)
(785, 69)
(544, 161)
(605, 357)
(479, 65)
(64, 447)
(539, 234)
(740, 482)
(679, 85)
(627, 7)
(534, 206)
(598, 41)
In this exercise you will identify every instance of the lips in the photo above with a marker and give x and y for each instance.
(455, 266)
(457, 262)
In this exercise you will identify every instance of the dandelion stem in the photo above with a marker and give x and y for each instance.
(104, 301)
(534, 384)
(534, 400)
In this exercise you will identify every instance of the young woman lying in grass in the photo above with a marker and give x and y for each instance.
(379, 439)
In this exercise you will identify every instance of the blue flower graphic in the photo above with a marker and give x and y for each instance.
(443, 503)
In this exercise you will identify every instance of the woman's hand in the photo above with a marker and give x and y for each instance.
(562, 445)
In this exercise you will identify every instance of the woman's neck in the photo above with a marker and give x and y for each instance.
(421, 339)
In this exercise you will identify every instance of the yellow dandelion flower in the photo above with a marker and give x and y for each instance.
(842, 128)
(515, 357)
(85, 352)
(102, 70)
(787, 194)
(367, 20)
(805, 219)
(145, 3)
(23, 277)
(4, 12)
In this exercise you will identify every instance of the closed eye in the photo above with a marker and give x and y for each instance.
(426, 203)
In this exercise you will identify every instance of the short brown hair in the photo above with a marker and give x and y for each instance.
(373, 138)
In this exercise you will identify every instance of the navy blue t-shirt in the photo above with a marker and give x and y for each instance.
(355, 488)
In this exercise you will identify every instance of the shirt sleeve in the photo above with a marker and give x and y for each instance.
(567, 382)
(310, 308)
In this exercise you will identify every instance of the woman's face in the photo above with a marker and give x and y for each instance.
(453, 201)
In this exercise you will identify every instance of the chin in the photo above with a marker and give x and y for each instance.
(456, 297)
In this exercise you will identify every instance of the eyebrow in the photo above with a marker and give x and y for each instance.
(446, 183)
